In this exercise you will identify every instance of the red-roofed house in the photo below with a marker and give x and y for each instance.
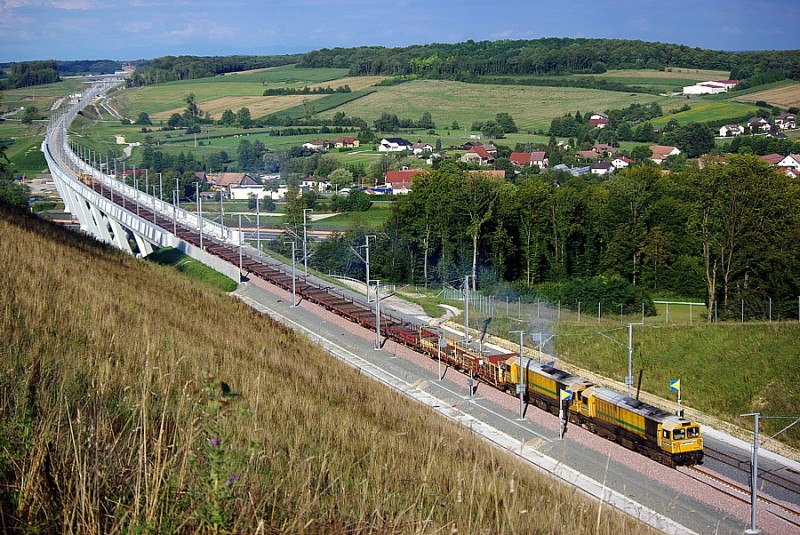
(621, 162)
(522, 159)
(587, 155)
(400, 181)
(478, 155)
(772, 159)
(598, 123)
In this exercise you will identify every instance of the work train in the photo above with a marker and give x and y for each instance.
(669, 439)
(664, 437)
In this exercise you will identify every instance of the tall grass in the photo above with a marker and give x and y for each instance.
(134, 401)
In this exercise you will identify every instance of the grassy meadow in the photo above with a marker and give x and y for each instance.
(531, 107)
(666, 81)
(136, 400)
(706, 111)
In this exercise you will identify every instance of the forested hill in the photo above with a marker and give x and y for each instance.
(173, 68)
(472, 59)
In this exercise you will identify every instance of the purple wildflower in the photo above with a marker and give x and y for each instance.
(215, 441)
(234, 478)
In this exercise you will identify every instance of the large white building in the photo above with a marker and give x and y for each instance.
(710, 88)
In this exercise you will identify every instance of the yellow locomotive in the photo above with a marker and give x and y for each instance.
(669, 439)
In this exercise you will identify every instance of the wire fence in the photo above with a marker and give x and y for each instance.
(667, 312)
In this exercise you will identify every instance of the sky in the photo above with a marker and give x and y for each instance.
(145, 29)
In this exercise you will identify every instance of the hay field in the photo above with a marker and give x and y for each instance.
(531, 107)
(785, 97)
(215, 95)
(679, 73)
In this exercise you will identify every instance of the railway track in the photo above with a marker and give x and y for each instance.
(782, 510)
(743, 465)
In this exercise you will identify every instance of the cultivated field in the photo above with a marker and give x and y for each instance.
(235, 91)
(665, 81)
(707, 110)
(531, 107)
(785, 97)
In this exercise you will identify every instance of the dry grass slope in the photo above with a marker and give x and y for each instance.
(135, 400)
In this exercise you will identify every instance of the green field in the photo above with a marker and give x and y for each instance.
(531, 107)
(666, 81)
(24, 142)
(708, 110)
(162, 98)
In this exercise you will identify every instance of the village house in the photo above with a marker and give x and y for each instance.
(316, 146)
(601, 168)
(604, 149)
(786, 121)
(621, 162)
(772, 159)
(394, 144)
(346, 142)
(792, 160)
(759, 123)
(588, 155)
(420, 148)
(662, 152)
(478, 155)
(598, 120)
(529, 159)
(730, 130)
(400, 181)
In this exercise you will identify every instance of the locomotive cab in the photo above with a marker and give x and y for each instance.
(682, 439)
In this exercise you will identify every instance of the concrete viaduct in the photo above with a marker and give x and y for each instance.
(109, 209)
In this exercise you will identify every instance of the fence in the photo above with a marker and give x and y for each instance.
(667, 312)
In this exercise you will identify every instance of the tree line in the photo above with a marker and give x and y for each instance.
(469, 60)
(174, 68)
(30, 73)
(724, 233)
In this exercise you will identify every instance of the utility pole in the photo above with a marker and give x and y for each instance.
(366, 239)
(377, 315)
(521, 385)
(466, 309)
(305, 240)
(294, 277)
(629, 377)
(753, 530)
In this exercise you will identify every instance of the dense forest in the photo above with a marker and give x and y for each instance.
(470, 60)
(88, 66)
(723, 233)
(29, 73)
(174, 68)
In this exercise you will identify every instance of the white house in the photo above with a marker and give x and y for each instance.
(793, 161)
(786, 121)
(601, 168)
(394, 144)
(759, 123)
(621, 162)
(730, 130)
(316, 146)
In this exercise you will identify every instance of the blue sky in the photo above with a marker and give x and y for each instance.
(135, 29)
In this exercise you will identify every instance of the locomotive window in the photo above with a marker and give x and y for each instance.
(679, 434)
(694, 432)
(665, 434)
